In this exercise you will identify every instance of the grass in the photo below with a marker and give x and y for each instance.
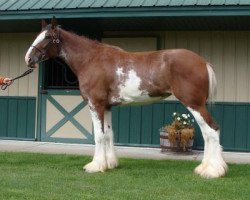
(42, 176)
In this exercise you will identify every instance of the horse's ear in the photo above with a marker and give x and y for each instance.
(44, 23)
(54, 22)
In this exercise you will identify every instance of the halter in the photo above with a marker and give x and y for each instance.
(54, 39)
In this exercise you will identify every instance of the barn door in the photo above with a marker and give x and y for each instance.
(64, 116)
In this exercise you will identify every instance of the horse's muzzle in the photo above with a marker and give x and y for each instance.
(32, 65)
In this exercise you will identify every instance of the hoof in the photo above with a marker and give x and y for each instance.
(94, 167)
(211, 171)
(112, 163)
(198, 170)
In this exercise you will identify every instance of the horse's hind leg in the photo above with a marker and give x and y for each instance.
(212, 165)
(192, 85)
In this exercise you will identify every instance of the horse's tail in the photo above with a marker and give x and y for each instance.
(212, 83)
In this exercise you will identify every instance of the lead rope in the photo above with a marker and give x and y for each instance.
(4, 86)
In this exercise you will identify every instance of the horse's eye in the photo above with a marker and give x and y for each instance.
(47, 37)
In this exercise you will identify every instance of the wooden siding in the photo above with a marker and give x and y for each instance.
(139, 125)
(228, 52)
(17, 117)
(13, 47)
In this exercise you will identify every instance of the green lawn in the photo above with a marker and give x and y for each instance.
(42, 176)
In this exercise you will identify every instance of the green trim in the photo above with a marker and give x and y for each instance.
(63, 92)
(39, 102)
(17, 117)
(43, 117)
(17, 98)
(128, 12)
(17, 138)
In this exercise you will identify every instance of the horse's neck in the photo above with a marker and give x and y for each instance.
(76, 50)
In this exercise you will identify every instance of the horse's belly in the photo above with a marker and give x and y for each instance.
(130, 92)
(133, 95)
(139, 99)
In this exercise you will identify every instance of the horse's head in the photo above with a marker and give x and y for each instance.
(45, 46)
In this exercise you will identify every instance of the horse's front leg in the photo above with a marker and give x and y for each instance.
(111, 158)
(99, 163)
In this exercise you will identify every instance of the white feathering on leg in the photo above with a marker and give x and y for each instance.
(111, 158)
(99, 163)
(213, 164)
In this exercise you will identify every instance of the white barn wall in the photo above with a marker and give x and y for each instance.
(228, 52)
(13, 47)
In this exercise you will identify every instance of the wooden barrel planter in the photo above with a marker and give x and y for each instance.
(176, 146)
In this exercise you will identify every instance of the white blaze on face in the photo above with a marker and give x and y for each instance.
(39, 39)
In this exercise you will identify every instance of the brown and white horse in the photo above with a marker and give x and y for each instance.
(110, 76)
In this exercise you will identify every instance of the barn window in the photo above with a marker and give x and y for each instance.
(57, 75)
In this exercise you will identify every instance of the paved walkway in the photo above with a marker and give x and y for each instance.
(128, 152)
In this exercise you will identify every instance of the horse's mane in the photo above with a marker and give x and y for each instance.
(93, 41)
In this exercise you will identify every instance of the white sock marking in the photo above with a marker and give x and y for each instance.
(213, 164)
